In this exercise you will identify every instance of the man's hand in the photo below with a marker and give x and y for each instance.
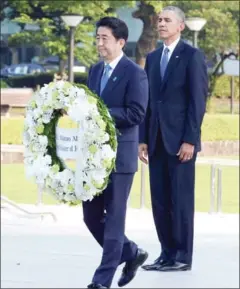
(143, 153)
(186, 152)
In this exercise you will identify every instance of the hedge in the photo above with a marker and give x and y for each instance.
(3, 84)
(32, 81)
(223, 87)
(215, 127)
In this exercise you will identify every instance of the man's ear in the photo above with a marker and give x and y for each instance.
(122, 42)
(182, 26)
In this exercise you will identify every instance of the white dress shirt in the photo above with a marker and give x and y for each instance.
(171, 48)
(114, 63)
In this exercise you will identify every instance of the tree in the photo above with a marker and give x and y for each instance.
(148, 39)
(220, 38)
(216, 70)
(220, 32)
(147, 13)
(52, 33)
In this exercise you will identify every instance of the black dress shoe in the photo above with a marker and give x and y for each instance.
(156, 264)
(130, 269)
(175, 267)
(95, 286)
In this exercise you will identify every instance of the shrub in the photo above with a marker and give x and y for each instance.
(223, 87)
(3, 84)
(32, 81)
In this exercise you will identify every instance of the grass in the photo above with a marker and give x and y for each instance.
(25, 191)
(215, 127)
(220, 127)
(223, 105)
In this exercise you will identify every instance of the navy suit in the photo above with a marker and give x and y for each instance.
(175, 113)
(126, 96)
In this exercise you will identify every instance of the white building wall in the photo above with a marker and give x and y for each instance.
(135, 26)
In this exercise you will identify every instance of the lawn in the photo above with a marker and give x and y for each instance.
(16, 187)
(220, 127)
(215, 127)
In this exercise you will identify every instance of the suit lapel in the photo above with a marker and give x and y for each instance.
(116, 76)
(173, 62)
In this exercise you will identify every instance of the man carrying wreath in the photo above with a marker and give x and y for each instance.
(123, 86)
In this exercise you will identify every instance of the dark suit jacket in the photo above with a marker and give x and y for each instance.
(177, 102)
(126, 96)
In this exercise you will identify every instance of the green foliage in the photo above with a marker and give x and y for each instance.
(223, 87)
(50, 132)
(3, 84)
(40, 79)
(158, 5)
(53, 34)
(221, 30)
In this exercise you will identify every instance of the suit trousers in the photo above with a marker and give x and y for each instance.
(105, 218)
(172, 197)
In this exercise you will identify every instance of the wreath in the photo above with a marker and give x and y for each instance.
(97, 142)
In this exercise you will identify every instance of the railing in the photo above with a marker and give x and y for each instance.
(28, 213)
(216, 176)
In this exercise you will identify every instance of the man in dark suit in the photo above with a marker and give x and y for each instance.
(170, 139)
(123, 86)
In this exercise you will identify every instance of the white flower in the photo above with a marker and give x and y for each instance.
(107, 152)
(43, 140)
(47, 116)
(94, 154)
(37, 112)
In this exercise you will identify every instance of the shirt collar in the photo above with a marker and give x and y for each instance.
(172, 46)
(114, 63)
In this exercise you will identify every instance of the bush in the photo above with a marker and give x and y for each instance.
(3, 84)
(223, 87)
(215, 127)
(32, 81)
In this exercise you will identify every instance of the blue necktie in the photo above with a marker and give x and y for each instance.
(164, 62)
(105, 77)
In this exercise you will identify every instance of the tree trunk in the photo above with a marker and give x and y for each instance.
(61, 65)
(61, 74)
(148, 40)
(15, 59)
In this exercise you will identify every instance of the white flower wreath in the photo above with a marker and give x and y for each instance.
(97, 146)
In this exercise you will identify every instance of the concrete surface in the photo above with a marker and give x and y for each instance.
(39, 253)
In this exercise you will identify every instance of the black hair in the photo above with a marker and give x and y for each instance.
(118, 27)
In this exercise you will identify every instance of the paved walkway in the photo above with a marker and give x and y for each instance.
(62, 254)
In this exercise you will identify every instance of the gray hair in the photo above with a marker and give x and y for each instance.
(180, 14)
